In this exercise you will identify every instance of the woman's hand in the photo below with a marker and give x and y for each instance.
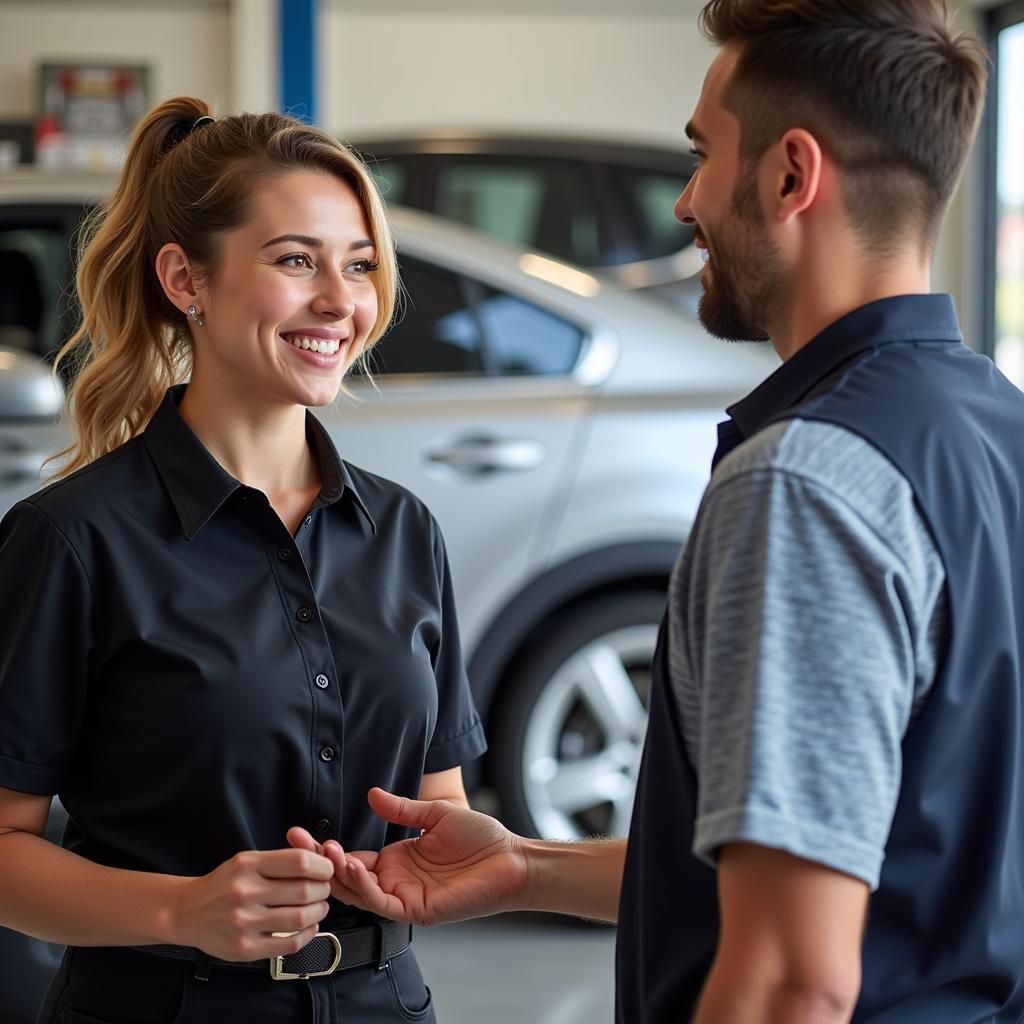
(301, 839)
(465, 864)
(232, 912)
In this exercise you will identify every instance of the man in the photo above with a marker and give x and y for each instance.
(836, 713)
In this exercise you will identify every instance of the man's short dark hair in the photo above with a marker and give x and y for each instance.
(891, 90)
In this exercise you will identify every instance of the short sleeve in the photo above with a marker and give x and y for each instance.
(800, 637)
(458, 733)
(46, 649)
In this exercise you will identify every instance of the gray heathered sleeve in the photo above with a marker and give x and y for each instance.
(794, 653)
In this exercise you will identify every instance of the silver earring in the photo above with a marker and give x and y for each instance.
(195, 317)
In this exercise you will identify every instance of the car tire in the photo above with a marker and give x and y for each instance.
(571, 724)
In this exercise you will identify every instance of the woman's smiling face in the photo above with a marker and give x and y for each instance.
(292, 301)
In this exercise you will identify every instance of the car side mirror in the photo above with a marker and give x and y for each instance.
(28, 390)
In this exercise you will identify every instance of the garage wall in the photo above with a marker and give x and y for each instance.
(619, 73)
(185, 44)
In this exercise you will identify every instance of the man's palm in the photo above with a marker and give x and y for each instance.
(464, 865)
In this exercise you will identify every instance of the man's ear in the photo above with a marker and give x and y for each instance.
(176, 277)
(797, 176)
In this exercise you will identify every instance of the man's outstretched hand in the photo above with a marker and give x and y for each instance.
(465, 864)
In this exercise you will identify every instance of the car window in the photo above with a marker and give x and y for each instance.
(522, 338)
(32, 266)
(439, 331)
(537, 204)
(653, 195)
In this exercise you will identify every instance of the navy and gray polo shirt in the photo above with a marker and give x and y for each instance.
(192, 680)
(839, 673)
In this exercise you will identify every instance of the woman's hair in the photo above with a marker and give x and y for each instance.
(890, 88)
(188, 186)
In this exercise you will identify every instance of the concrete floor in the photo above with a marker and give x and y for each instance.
(519, 968)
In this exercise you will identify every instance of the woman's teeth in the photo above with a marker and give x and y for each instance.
(321, 345)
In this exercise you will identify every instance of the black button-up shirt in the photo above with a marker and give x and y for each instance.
(192, 680)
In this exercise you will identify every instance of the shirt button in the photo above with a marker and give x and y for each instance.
(304, 615)
(323, 825)
(308, 521)
(322, 681)
(327, 753)
(284, 554)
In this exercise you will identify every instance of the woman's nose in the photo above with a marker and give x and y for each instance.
(334, 298)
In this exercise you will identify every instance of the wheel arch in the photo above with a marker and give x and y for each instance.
(534, 610)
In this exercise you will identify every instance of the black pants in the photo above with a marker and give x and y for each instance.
(123, 986)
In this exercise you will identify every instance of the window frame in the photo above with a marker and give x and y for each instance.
(997, 20)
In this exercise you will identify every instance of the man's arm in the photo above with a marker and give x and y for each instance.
(582, 878)
(789, 951)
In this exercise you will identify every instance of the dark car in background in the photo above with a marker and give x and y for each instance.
(603, 205)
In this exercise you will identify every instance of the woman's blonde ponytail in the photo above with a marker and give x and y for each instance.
(127, 349)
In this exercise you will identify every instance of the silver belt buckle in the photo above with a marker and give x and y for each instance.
(277, 971)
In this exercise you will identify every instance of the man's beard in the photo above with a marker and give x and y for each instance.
(743, 289)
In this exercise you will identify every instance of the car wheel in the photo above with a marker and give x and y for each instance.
(573, 719)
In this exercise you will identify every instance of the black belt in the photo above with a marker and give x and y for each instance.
(325, 953)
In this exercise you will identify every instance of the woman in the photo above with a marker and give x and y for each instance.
(217, 636)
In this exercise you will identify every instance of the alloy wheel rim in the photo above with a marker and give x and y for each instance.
(584, 737)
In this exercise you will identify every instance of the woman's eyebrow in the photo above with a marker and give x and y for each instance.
(315, 243)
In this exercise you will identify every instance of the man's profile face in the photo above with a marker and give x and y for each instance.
(742, 278)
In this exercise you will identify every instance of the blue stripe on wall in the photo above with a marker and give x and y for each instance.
(298, 58)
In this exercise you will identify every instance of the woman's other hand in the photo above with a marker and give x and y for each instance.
(233, 912)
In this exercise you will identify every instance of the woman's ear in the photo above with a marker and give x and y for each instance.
(175, 274)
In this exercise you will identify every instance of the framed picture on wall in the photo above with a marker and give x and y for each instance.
(87, 110)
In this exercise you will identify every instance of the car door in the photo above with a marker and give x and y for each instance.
(474, 407)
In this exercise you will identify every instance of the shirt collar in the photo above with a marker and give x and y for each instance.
(903, 318)
(198, 485)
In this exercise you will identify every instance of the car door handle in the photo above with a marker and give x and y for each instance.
(480, 454)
